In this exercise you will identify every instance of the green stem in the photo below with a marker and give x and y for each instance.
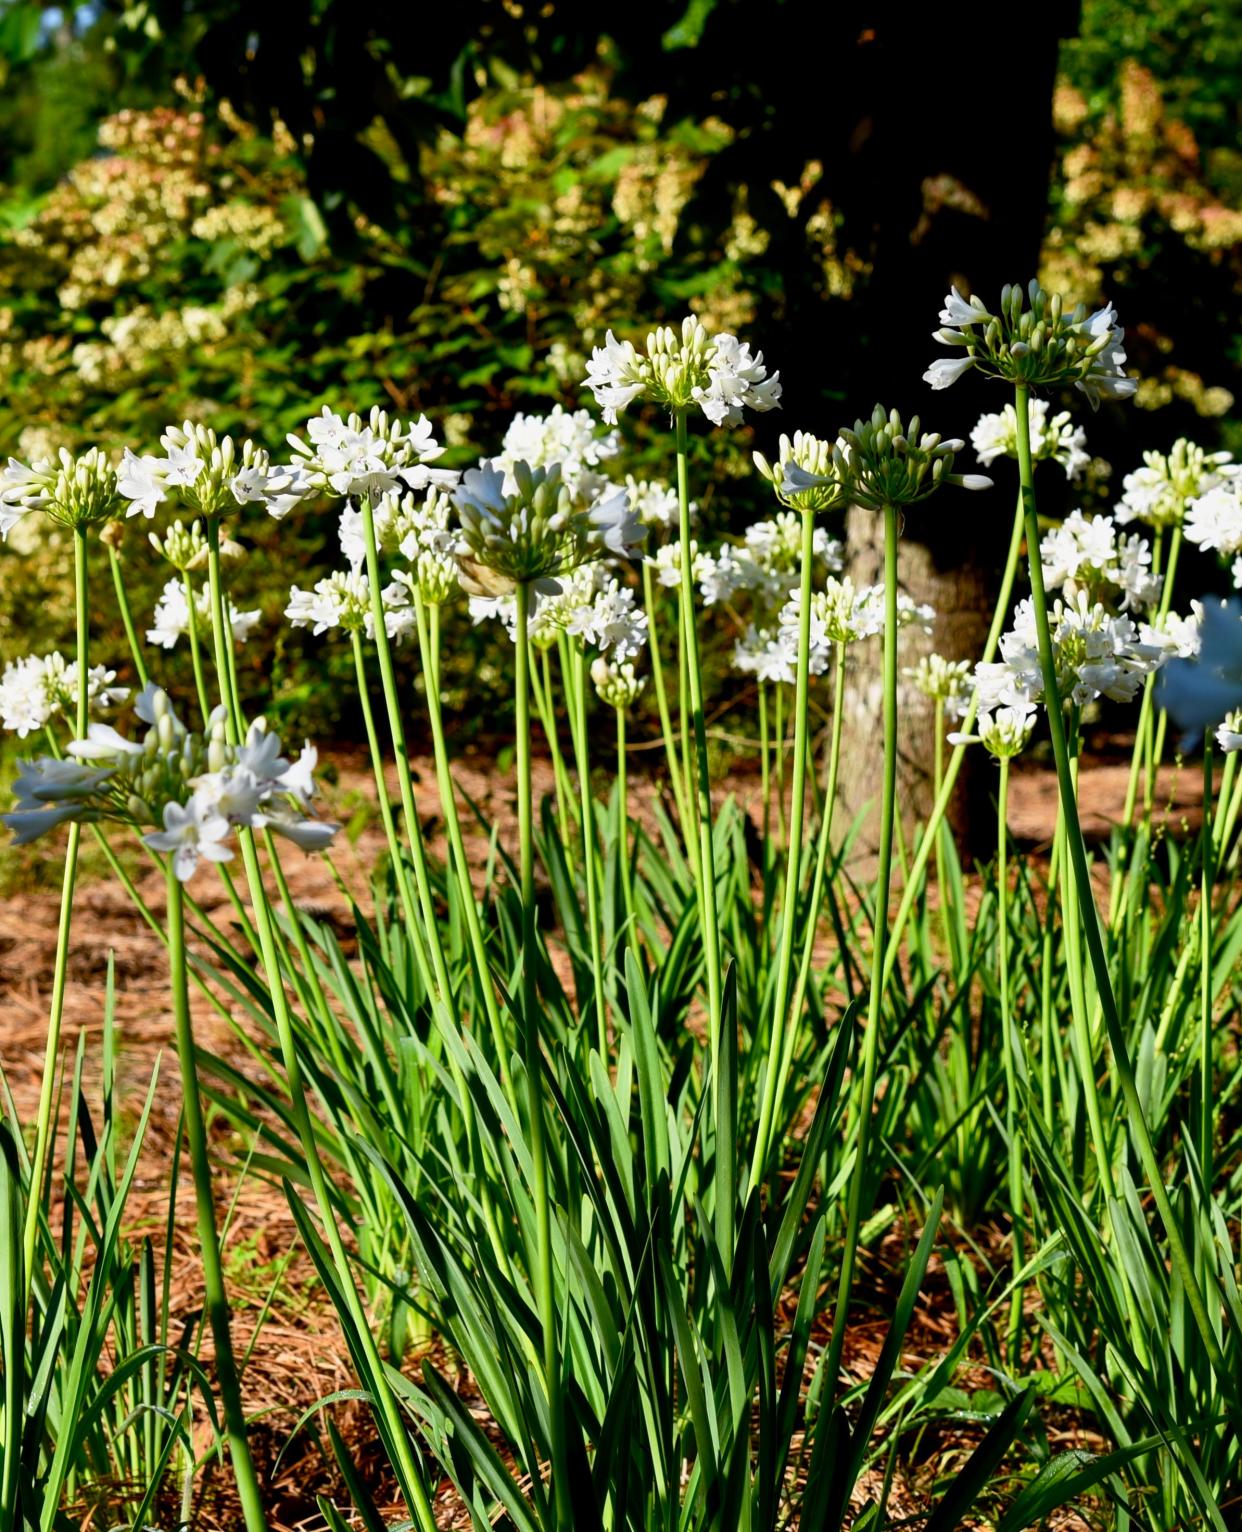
(545, 1286)
(582, 748)
(821, 858)
(396, 729)
(196, 655)
(914, 883)
(429, 651)
(392, 1424)
(1015, 1065)
(60, 968)
(1205, 976)
(623, 824)
(775, 1076)
(127, 616)
(706, 883)
(871, 1043)
(1089, 915)
(675, 778)
(209, 1243)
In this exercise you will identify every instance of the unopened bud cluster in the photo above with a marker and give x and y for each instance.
(810, 474)
(536, 531)
(891, 465)
(75, 491)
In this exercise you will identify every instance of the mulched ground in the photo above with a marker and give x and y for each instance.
(299, 1356)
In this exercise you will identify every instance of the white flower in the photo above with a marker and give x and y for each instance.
(736, 381)
(1057, 439)
(616, 375)
(140, 481)
(654, 504)
(1229, 734)
(1095, 652)
(765, 653)
(666, 563)
(960, 312)
(171, 617)
(944, 681)
(681, 368)
(234, 793)
(1179, 635)
(343, 600)
(38, 688)
(1003, 732)
(722, 574)
(347, 458)
(617, 684)
(1214, 520)
(1105, 378)
(569, 438)
(191, 831)
(610, 621)
(1159, 492)
(945, 371)
(1088, 553)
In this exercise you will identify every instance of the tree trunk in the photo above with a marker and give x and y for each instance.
(948, 575)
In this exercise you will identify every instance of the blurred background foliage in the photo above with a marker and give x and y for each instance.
(238, 213)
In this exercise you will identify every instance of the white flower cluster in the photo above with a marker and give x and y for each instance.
(347, 458)
(40, 687)
(567, 437)
(171, 618)
(1214, 522)
(1096, 654)
(619, 685)
(208, 474)
(420, 528)
(1159, 492)
(195, 791)
(1056, 439)
(1229, 734)
(678, 370)
(342, 600)
(843, 613)
(1090, 553)
(591, 606)
(945, 681)
(654, 504)
(1002, 731)
(1178, 635)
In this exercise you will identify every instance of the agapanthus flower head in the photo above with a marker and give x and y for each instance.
(171, 618)
(1229, 732)
(342, 600)
(774, 546)
(422, 531)
(1031, 338)
(1178, 635)
(209, 475)
(591, 607)
(1160, 491)
(40, 688)
(1056, 440)
(944, 681)
(769, 655)
(185, 793)
(680, 370)
(568, 437)
(1090, 553)
(1096, 653)
(654, 504)
(665, 563)
(184, 545)
(616, 682)
(348, 458)
(810, 474)
(75, 491)
(536, 532)
(1214, 519)
(892, 466)
(1003, 731)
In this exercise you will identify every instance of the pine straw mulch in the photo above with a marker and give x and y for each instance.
(298, 1355)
